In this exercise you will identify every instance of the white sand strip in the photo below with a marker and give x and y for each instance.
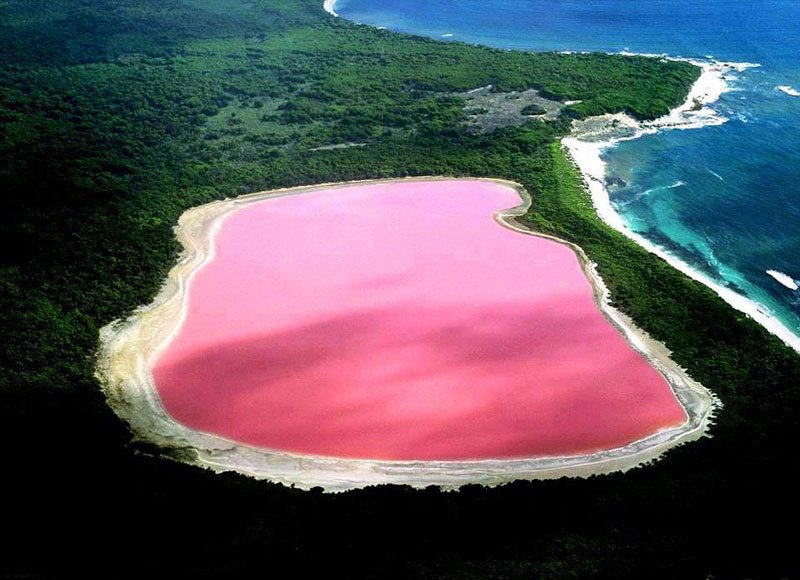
(330, 7)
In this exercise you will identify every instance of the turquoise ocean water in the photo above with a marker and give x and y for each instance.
(724, 199)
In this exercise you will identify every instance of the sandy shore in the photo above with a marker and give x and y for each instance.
(129, 348)
(593, 136)
(330, 7)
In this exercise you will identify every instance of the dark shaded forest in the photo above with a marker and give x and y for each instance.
(116, 116)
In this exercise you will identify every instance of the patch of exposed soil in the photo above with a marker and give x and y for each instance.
(488, 110)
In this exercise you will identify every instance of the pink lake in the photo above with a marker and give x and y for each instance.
(400, 321)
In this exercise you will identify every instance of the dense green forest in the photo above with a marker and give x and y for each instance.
(116, 116)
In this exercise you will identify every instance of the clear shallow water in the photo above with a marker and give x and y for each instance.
(736, 212)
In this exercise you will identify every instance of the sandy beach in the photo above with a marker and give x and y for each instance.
(129, 349)
(330, 7)
(586, 145)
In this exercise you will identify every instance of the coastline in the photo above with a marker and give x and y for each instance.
(585, 148)
(129, 348)
(693, 113)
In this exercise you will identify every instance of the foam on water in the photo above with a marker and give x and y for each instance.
(784, 279)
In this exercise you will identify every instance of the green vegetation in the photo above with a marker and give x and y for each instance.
(117, 116)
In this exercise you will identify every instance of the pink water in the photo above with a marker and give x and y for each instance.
(400, 321)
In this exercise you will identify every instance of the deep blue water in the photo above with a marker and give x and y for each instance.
(737, 212)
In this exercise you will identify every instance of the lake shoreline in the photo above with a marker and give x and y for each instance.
(129, 349)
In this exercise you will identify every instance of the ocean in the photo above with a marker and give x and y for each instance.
(724, 199)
